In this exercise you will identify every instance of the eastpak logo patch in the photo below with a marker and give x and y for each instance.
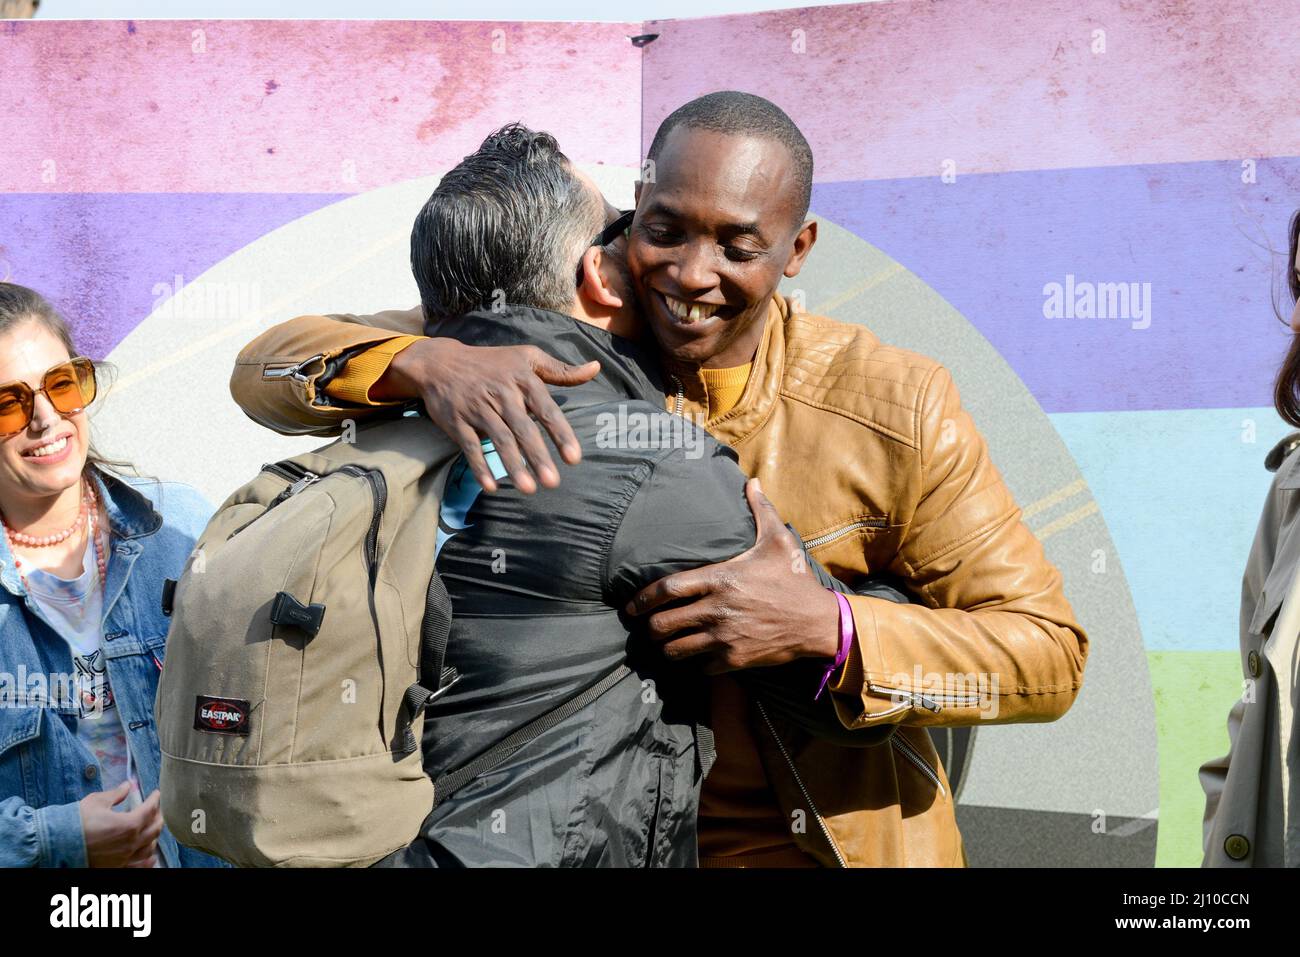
(221, 715)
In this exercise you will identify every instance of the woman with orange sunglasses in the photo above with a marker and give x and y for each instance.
(84, 551)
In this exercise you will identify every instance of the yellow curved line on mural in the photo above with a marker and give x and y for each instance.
(875, 279)
(1066, 520)
(244, 326)
(1060, 495)
(1044, 503)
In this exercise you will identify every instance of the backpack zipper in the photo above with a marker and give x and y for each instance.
(286, 470)
(841, 532)
(905, 748)
(298, 477)
(821, 822)
(379, 492)
(301, 478)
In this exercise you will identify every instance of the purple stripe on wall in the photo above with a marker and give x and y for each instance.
(102, 259)
(1193, 234)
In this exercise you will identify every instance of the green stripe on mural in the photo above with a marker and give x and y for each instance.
(1194, 691)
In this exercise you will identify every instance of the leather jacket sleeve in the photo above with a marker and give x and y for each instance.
(993, 638)
(280, 377)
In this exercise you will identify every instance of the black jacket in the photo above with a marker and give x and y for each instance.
(537, 584)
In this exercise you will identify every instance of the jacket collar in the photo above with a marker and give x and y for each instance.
(627, 366)
(131, 516)
(761, 391)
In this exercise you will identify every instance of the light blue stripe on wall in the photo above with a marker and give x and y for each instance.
(1181, 493)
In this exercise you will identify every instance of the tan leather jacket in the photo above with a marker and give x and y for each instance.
(864, 449)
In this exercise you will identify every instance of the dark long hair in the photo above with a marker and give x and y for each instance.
(18, 304)
(1286, 391)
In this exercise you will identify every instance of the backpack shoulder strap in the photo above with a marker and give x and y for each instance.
(436, 677)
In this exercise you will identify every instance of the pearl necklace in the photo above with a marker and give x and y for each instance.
(89, 511)
(41, 541)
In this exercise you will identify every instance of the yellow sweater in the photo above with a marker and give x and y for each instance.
(725, 386)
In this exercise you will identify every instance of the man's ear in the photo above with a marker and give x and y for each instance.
(595, 287)
(803, 244)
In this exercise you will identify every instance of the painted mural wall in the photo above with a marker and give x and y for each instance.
(1029, 165)
(1078, 206)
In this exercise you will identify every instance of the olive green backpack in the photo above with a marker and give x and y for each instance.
(308, 634)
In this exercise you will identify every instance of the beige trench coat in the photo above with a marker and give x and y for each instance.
(1251, 794)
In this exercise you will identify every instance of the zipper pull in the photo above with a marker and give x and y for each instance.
(928, 703)
(308, 479)
(293, 371)
(292, 490)
(924, 701)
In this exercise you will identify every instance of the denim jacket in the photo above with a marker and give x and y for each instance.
(45, 769)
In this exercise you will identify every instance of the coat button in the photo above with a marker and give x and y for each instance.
(1252, 664)
(1237, 847)
(91, 772)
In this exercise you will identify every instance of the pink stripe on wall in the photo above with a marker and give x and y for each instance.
(308, 106)
(894, 89)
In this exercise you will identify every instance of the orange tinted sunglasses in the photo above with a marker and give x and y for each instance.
(70, 387)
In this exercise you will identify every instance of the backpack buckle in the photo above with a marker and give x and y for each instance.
(287, 610)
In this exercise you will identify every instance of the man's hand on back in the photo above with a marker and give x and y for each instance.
(492, 391)
(763, 607)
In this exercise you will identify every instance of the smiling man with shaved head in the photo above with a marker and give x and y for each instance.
(863, 448)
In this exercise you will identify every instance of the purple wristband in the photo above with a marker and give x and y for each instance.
(847, 633)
